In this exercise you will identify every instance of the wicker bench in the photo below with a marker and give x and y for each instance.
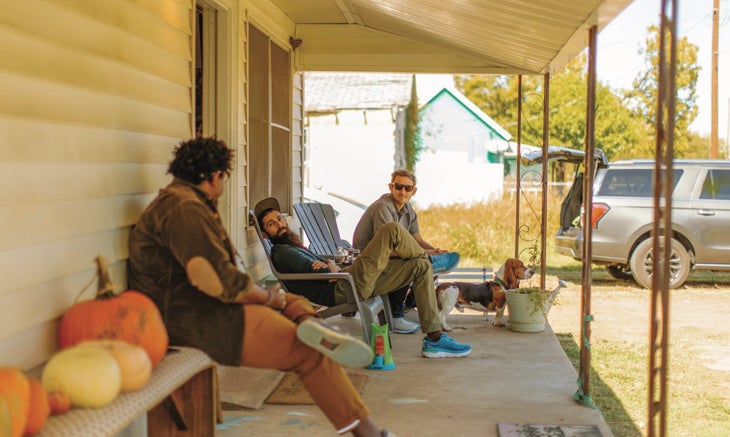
(181, 398)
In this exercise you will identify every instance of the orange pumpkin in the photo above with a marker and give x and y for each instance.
(15, 389)
(129, 316)
(59, 402)
(39, 408)
(6, 423)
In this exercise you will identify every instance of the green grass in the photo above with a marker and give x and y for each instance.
(698, 401)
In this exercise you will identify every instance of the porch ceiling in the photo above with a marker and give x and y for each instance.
(444, 36)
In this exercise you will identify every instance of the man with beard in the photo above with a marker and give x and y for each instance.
(374, 272)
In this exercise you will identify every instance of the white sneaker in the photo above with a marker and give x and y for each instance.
(412, 315)
(341, 347)
(403, 326)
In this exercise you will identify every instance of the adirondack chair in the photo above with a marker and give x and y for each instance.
(320, 225)
(375, 309)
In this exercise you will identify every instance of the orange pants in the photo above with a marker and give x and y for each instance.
(270, 342)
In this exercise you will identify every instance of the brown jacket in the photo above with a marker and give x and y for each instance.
(180, 241)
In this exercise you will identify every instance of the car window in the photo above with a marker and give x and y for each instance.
(631, 182)
(716, 185)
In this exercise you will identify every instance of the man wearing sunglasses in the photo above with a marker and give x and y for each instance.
(396, 207)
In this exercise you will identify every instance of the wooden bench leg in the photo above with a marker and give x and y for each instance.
(189, 411)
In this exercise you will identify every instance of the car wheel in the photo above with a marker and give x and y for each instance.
(620, 271)
(641, 263)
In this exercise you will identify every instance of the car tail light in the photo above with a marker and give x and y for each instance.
(598, 211)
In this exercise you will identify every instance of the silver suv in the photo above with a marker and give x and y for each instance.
(623, 219)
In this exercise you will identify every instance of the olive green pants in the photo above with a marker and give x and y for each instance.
(376, 273)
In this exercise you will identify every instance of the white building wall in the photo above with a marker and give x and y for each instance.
(446, 177)
(351, 154)
(453, 166)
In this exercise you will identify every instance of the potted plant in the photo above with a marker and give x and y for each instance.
(529, 307)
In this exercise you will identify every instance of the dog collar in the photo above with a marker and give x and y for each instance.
(500, 283)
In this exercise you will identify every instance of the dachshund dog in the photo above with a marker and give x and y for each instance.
(487, 296)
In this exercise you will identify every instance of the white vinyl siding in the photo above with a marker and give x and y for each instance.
(95, 94)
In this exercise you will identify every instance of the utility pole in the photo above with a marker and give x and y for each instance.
(715, 55)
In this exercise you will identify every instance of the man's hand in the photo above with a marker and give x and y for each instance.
(317, 265)
(271, 296)
(276, 298)
(330, 265)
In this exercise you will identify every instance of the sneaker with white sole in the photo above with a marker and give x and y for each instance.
(445, 347)
(444, 262)
(412, 315)
(403, 326)
(330, 341)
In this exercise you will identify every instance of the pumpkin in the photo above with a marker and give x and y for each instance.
(129, 316)
(15, 390)
(6, 423)
(59, 402)
(133, 361)
(39, 408)
(89, 376)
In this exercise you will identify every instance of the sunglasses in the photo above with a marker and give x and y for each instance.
(399, 187)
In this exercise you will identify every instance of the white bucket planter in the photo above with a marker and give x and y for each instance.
(525, 312)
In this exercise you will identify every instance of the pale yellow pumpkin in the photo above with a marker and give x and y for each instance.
(134, 362)
(89, 376)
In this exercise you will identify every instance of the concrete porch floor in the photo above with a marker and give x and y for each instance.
(509, 377)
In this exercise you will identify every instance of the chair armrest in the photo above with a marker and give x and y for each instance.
(339, 276)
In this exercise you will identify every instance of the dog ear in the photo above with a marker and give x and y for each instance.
(510, 278)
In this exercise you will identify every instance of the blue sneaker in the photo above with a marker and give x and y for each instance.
(444, 262)
(445, 347)
(341, 347)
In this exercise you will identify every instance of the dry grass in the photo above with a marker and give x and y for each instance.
(699, 357)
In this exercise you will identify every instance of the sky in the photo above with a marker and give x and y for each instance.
(619, 58)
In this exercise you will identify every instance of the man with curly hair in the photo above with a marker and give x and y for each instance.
(181, 256)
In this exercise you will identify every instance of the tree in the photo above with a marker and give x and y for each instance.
(643, 97)
(616, 131)
(411, 136)
(624, 119)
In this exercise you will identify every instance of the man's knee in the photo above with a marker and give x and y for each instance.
(395, 229)
(421, 267)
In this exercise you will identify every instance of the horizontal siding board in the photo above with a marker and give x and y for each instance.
(176, 14)
(30, 266)
(133, 20)
(36, 307)
(32, 58)
(15, 350)
(33, 224)
(25, 97)
(62, 28)
(61, 182)
(32, 140)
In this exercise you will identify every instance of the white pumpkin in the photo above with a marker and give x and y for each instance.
(89, 376)
(134, 362)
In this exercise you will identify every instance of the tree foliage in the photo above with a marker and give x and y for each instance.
(411, 135)
(616, 131)
(624, 118)
(643, 97)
